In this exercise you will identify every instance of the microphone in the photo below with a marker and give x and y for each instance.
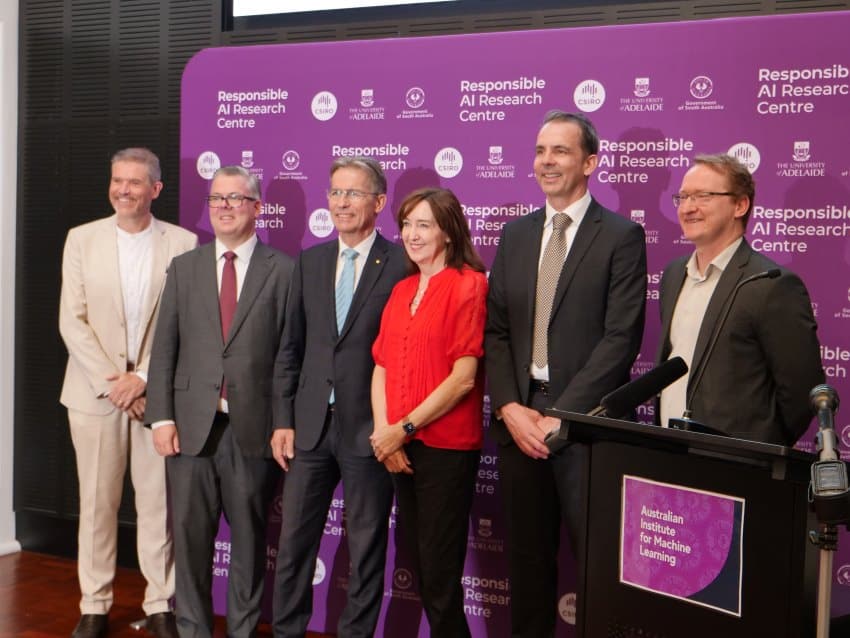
(824, 402)
(686, 423)
(627, 397)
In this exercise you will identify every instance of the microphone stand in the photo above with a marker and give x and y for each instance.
(829, 496)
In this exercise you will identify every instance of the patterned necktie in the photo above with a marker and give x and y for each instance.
(547, 282)
(345, 287)
(227, 302)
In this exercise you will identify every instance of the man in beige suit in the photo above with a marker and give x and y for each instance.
(113, 272)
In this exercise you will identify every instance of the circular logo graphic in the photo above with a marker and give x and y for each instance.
(448, 162)
(845, 436)
(320, 573)
(842, 575)
(320, 222)
(291, 160)
(567, 608)
(415, 97)
(589, 96)
(701, 87)
(208, 163)
(402, 578)
(324, 105)
(747, 154)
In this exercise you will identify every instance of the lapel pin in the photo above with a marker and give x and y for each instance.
(377, 261)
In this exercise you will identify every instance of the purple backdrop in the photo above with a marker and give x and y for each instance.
(463, 111)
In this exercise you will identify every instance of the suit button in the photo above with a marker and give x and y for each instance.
(122, 355)
(218, 386)
(329, 381)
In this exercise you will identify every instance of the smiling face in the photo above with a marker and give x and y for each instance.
(424, 240)
(131, 191)
(354, 216)
(561, 166)
(233, 225)
(718, 222)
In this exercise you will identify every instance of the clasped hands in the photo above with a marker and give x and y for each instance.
(529, 428)
(128, 394)
(387, 443)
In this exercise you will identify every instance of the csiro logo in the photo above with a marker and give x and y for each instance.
(320, 223)
(448, 162)
(208, 163)
(567, 608)
(589, 96)
(324, 105)
(320, 573)
(747, 154)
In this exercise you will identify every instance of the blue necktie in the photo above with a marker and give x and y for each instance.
(345, 287)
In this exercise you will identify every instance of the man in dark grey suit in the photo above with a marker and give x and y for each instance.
(766, 359)
(323, 415)
(565, 314)
(210, 402)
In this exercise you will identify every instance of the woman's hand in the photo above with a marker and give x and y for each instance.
(387, 439)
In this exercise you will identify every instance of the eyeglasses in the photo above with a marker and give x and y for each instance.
(233, 200)
(340, 193)
(698, 198)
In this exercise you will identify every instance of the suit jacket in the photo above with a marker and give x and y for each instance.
(91, 308)
(315, 358)
(597, 317)
(756, 383)
(190, 358)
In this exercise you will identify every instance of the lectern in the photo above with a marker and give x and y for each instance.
(692, 535)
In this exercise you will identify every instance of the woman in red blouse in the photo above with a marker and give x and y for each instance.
(427, 393)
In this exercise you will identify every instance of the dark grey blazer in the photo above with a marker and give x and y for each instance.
(314, 357)
(767, 357)
(189, 360)
(597, 316)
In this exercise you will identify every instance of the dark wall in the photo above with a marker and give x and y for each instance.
(99, 75)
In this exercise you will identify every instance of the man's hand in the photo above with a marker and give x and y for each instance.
(128, 387)
(137, 409)
(398, 463)
(524, 424)
(283, 447)
(387, 440)
(165, 440)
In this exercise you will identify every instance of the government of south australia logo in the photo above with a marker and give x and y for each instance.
(701, 87)
(415, 97)
(208, 163)
(448, 162)
(747, 154)
(290, 160)
(324, 105)
(589, 96)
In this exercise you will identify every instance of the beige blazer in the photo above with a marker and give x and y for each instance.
(91, 308)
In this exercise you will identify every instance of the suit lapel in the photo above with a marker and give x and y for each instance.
(325, 282)
(529, 257)
(375, 262)
(255, 279)
(732, 274)
(159, 263)
(109, 257)
(587, 232)
(206, 278)
(677, 276)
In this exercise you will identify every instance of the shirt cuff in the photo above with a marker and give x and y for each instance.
(142, 375)
(159, 424)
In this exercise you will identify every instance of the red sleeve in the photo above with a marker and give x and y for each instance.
(466, 338)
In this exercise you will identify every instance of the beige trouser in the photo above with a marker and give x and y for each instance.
(103, 445)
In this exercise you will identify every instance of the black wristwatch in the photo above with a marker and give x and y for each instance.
(409, 429)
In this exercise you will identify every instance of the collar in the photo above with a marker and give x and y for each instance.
(575, 211)
(243, 251)
(718, 263)
(362, 248)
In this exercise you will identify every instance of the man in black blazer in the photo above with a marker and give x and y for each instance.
(323, 415)
(585, 347)
(210, 402)
(756, 382)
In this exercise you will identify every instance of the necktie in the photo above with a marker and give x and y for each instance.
(345, 287)
(227, 302)
(547, 281)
